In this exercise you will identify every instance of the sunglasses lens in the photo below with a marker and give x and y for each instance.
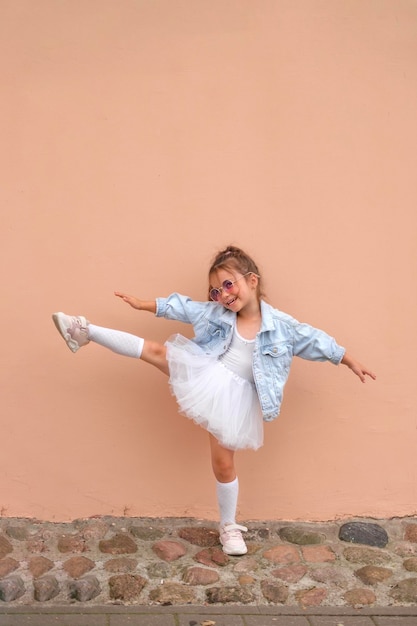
(226, 286)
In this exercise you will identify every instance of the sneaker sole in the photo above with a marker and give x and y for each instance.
(235, 552)
(61, 328)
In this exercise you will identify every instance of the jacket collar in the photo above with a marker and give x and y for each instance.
(228, 317)
(267, 317)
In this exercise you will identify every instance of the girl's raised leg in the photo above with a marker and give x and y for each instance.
(130, 345)
(78, 332)
(155, 354)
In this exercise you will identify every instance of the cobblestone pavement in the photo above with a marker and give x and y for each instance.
(149, 564)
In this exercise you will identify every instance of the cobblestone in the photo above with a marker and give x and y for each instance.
(411, 564)
(5, 547)
(7, 566)
(411, 532)
(119, 544)
(201, 576)
(45, 588)
(126, 586)
(372, 574)
(85, 589)
(39, 565)
(167, 561)
(360, 597)
(11, 588)
(364, 532)
(77, 566)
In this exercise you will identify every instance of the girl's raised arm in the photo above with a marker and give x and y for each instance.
(140, 305)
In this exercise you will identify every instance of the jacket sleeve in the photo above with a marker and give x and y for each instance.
(315, 345)
(180, 308)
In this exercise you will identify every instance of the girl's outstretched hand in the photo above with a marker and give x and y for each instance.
(357, 368)
(140, 305)
(134, 302)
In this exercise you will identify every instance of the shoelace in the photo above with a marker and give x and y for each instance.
(233, 530)
(76, 325)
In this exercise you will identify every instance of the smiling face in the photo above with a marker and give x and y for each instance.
(240, 294)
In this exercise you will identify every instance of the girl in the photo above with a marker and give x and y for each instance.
(231, 376)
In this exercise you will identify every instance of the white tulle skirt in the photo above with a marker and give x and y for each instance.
(216, 398)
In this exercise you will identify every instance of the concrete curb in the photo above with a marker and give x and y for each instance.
(205, 616)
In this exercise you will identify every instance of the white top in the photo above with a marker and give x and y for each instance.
(239, 356)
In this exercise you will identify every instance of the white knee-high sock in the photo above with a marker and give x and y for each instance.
(227, 495)
(116, 340)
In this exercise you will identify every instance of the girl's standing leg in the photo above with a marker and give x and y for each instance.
(227, 488)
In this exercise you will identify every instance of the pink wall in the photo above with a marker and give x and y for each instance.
(138, 137)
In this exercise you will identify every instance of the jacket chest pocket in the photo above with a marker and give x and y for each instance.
(214, 331)
(211, 335)
(277, 355)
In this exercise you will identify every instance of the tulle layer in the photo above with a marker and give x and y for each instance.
(213, 396)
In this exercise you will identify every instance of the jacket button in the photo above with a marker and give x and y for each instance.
(274, 350)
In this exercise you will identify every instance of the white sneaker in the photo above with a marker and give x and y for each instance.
(232, 540)
(73, 328)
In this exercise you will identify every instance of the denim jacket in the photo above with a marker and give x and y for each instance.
(280, 338)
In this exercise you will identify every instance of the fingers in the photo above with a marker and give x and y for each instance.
(123, 296)
(130, 300)
(361, 371)
(364, 372)
(361, 375)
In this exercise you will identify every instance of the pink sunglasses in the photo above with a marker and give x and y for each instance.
(227, 286)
